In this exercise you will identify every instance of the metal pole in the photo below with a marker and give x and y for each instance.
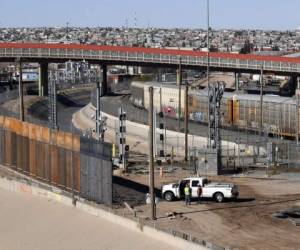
(122, 135)
(21, 92)
(151, 156)
(98, 112)
(160, 98)
(172, 156)
(179, 79)
(186, 121)
(67, 31)
(297, 119)
(261, 105)
(104, 80)
(165, 136)
(154, 133)
(208, 76)
(297, 111)
(53, 100)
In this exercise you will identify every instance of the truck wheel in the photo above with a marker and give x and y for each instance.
(169, 196)
(219, 197)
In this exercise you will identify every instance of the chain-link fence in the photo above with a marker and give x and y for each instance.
(242, 158)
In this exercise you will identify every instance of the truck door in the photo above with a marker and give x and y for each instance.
(194, 187)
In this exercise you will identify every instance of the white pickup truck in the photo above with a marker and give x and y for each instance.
(217, 191)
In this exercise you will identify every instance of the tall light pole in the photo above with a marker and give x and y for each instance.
(261, 125)
(21, 95)
(208, 78)
(297, 110)
(67, 31)
(151, 155)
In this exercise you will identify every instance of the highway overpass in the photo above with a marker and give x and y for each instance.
(118, 55)
(35, 52)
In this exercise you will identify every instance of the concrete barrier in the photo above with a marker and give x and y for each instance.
(139, 133)
(24, 184)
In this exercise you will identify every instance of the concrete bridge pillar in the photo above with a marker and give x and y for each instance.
(237, 81)
(104, 80)
(294, 79)
(43, 79)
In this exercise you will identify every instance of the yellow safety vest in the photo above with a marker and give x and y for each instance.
(187, 191)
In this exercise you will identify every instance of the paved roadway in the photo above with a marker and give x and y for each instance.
(33, 223)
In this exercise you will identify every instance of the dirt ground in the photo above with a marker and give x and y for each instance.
(243, 224)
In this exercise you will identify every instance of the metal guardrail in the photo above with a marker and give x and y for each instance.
(145, 56)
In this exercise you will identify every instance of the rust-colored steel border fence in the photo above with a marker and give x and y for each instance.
(66, 160)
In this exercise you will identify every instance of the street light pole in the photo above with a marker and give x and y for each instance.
(261, 106)
(21, 94)
(67, 31)
(208, 78)
(186, 121)
(297, 111)
(179, 80)
(151, 155)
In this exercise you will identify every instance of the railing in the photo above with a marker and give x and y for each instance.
(150, 58)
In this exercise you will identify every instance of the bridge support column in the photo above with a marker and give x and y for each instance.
(21, 97)
(294, 83)
(104, 80)
(237, 81)
(43, 79)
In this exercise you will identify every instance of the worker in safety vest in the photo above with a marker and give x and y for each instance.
(199, 192)
(187, 194)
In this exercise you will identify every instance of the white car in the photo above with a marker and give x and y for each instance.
(217, 191)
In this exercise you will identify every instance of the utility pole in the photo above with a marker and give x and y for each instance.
(67, 31)
(160, 98)
(52, 100)
(179, 82)
(99, 129)
(208, 78)
(162, 134)
(297, 111)
(261, 105)
(215, 95)
(186, 121)
(151, 156)
(122, 139)
(21, 91)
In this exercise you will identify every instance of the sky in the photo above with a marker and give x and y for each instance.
(234, 14)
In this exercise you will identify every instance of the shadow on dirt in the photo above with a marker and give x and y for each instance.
(68, 101)
(129, 191)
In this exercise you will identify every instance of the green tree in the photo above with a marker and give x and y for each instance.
(275, 48)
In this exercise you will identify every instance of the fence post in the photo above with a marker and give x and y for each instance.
(172, 156)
